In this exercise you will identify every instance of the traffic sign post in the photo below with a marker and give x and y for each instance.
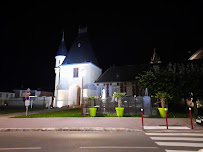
(27, 103)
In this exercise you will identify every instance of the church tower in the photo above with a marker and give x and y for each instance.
(155, 59)
(61, 55)
(76, 71)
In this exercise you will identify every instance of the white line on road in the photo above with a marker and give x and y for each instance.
(164, 127)
(179, 151)
(179, 144)
(115, 147)
(174, 134)
(23, 148)
(177, 138)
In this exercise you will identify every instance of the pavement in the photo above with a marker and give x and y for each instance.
(95, 124)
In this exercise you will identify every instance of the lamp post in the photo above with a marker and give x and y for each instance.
(82, 99)
(82, 73)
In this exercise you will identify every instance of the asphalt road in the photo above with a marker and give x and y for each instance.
(39, 141)
(76, 142)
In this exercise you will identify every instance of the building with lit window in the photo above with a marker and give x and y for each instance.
(76, 71)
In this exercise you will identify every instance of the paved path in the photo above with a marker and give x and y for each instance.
(92, 123)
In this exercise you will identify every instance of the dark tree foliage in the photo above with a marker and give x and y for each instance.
(178, 80)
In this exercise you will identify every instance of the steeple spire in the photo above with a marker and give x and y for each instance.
(62, 48)
(155, 59)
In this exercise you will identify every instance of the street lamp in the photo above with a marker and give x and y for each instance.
(82, 74)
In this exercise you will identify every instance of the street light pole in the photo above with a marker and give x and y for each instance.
(82, 99)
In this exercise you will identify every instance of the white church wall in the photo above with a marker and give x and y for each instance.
(59, 60)
(69, 83)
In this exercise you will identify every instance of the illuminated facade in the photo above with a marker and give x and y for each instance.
(76, 71)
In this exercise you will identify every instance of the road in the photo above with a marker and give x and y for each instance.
(39, 141)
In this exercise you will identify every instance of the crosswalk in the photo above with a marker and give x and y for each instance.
(178, 142)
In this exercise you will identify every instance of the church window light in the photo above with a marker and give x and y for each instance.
(75, 72)
(79, 44)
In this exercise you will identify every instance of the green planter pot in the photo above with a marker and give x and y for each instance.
(93, 112)
(119, 112)
(162, 112)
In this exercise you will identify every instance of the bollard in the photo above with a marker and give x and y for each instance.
(166, 118)
(142, 119)
(191, 118)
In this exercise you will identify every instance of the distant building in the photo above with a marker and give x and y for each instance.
(6, 95)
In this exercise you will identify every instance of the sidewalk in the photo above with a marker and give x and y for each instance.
(92, 124)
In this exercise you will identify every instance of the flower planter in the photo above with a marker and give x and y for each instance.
(162, 112)
(93, 112)
(119, 112)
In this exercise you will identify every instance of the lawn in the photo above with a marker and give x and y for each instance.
(77, 113)
(8, 110)
(65, 113)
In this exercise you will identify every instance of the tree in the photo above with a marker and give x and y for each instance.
(177, 80)
(119, 96)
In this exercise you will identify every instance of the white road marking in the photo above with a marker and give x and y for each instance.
(179, 144)
(22, 148)
(179, 151)
(174, 134)
(115, 147)
(177, 138)
(164, 127)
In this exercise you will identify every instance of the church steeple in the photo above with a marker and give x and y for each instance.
(81, 50)
(155, 59)
(62, 52)
(62, 48)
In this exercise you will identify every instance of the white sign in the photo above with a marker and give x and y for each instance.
(27, 103)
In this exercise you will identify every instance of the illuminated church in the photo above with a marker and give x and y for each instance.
(79, 75)
(75, 70)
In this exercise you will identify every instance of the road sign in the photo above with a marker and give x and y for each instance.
(27, 103)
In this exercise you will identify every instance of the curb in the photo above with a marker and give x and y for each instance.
(69, 129)
(94, 129)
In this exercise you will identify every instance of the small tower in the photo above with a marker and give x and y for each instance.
(155, 59)
(61, 55)
(62, 52)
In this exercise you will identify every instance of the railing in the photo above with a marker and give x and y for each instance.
(132, 105)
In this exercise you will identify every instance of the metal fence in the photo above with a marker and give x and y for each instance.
(132, 105)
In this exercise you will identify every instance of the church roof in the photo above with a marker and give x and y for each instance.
(62, 49)
(81, 50)
(197, 55)
(122, 73)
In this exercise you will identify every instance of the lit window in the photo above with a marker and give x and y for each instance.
(75, 72)
(78, 44)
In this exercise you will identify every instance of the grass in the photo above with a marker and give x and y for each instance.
(6, 110)
(77, 113)
(65, 113)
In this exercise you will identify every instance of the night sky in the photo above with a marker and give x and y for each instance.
(121, 34)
